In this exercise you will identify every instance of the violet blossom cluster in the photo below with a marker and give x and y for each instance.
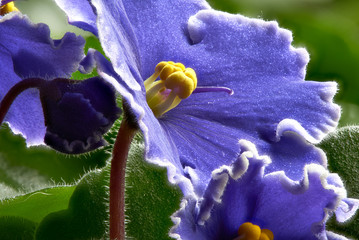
(240, 145)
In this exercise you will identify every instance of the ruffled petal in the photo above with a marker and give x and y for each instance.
(157, 142)
(80, 13)
(334, 236)
(306, 205)
(255, 59)
(134, 42)
(243, 193)
(25, 115)
(34, 53)
(77, 114)
(28, 51)
(196, 137)
(347, 209)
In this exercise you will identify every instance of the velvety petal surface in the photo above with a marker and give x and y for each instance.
(80, 13)
(25, 114)
(78, 113)
(290, 209)
(135, 42)
(252, 57)
(28, 51)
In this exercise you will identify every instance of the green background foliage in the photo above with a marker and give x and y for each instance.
(48, 195)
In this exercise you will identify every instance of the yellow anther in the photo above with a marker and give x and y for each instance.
(249, 231)
(180, 65)
(192, 75)
(266, 235)
(160, 66)
(181, 84)
(7, 8)
(166, 71)
(176, 83)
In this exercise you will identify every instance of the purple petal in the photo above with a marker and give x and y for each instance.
(135, 42)
(284, 204)
(241, 192)
(334, 236)
(196, 137)
(77, 114)
(256, 60)
(252, 57)
(34, 53)
(80, 13)
(28, 51)
(156, 138)
(25, 115)
(347, 209)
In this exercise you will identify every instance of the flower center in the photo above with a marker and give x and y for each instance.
(249, 231)
(7, 8)
(176, 82)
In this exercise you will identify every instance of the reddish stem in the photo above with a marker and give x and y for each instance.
(15, 91)
(117, 180)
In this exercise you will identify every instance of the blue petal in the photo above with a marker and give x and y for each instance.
(196, 137)
(135, 42)
(25, 115)
(252, 57)
(290, 209)
(28, 51)
(256, 60)
(80, 13)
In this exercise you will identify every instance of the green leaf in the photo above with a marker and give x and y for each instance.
(150, 200)
(25, 169)
(36, 205)
(342, 151)
(12, 228)
(350, 114)
(87, 213)
(20, 216)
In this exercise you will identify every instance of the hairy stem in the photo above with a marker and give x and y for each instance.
(117, 180)
(15, 91)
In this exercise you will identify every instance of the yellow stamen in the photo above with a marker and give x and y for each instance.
(7, 8)
(176, 82)
(266, 235)
(249, 231)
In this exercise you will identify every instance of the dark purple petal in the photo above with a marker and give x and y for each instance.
(80, 13)
(77, 114)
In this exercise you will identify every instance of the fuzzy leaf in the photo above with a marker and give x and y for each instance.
(150, 200)
(25, 169)
(342, 151)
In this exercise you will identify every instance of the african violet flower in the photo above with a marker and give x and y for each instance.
(286, 209)
(77, 113)
(212, 52)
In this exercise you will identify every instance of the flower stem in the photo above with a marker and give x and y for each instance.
(15, 91)
(117, 180)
